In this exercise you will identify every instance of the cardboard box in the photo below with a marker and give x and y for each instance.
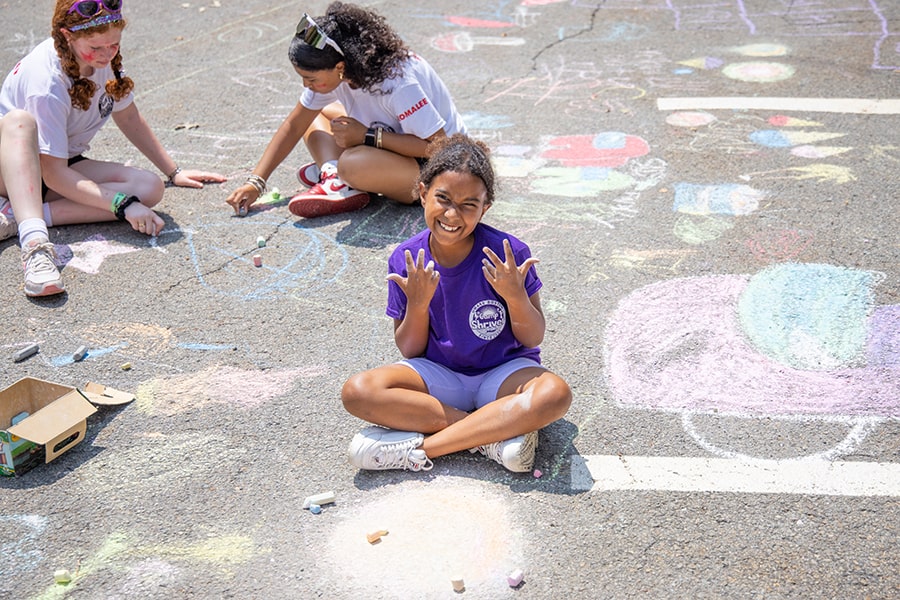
(40, 421)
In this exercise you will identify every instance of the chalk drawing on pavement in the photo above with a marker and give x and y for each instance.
(479, 540)
(143, 568)
(300, 263)
(20, 543)
(832, 20)
(88, 255)
(795, 341)
(219, 385)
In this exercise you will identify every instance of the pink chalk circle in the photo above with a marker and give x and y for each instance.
(678, 346)
(758, 72)
(690, 119)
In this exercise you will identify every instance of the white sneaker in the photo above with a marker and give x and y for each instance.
(41, 275)
(309, 174)
(378, 448)
(8, 225)
(328, 197)
(516, 454)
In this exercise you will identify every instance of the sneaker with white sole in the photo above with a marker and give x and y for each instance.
(516, 454)
(41, 275)
(378, 448)
(328, 197)
(8, 225)
(309, 174)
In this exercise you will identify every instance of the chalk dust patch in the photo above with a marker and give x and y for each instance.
(437, 531)
(217, 385)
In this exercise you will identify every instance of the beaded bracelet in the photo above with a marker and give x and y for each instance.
(171, 177)
(257, 182)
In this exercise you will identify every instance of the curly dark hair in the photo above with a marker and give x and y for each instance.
(373, 52)
(461, 154)
(83, 89)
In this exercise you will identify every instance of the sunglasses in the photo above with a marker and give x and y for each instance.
(91, 8)
(311, 33)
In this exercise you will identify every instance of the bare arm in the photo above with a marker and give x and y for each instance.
(411, 333)
(132, 124)
(349, 132)
(508, 279)
(282, 143)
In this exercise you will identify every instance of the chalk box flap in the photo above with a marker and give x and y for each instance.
(47, 423)
(104, 395)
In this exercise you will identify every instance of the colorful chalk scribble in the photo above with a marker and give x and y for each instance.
(794, 339)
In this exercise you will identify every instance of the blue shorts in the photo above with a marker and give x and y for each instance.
(465, 392)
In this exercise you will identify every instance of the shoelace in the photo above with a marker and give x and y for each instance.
(396, 455)
(39, 258)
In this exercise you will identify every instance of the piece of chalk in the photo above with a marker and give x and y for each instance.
(62, 576)
(126, 366)
(320, 499)
(515, 578)
(261, 242)
(374, 536)
(257, 260)
(315, 509)
(458, 585)
(537, 473)
(242, 211)
(80, 353)
(29, 350)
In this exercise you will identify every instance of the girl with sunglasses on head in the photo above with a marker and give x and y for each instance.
(72, 83)
(368, 115)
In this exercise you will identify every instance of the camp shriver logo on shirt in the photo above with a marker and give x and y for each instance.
(487, 319)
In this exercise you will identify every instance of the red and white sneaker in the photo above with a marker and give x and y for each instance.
(309, 174)
(328, 197)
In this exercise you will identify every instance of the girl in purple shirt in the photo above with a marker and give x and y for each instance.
(467, 319)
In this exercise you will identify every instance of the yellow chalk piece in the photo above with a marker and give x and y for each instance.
(126, 366)
(374, 536)
(62, 576)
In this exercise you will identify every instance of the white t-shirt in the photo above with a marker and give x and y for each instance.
(38, 85)
(417, 102)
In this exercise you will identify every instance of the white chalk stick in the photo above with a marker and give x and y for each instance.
(320, 499)
(29, 350)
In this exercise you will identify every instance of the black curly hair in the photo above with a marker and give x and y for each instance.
(460, 154)
(373, 52)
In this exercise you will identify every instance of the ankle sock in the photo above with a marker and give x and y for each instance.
(31, 228)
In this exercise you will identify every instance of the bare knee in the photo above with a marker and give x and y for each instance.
(355, 391)
(148, 187)
(554, 395)
(351, 167)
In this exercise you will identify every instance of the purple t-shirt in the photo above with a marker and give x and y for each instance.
(469, 329)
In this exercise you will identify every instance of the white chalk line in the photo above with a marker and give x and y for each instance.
(873, 106)
(752, 476)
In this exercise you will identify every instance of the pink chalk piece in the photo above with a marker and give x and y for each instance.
(257, 260)
(514, 579)
(537, 473)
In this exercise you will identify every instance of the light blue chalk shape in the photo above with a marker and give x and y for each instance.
(720, 199)
(809, 316)
(609, 140)
(770, 138)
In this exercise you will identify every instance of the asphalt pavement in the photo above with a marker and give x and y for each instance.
(712, 191)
